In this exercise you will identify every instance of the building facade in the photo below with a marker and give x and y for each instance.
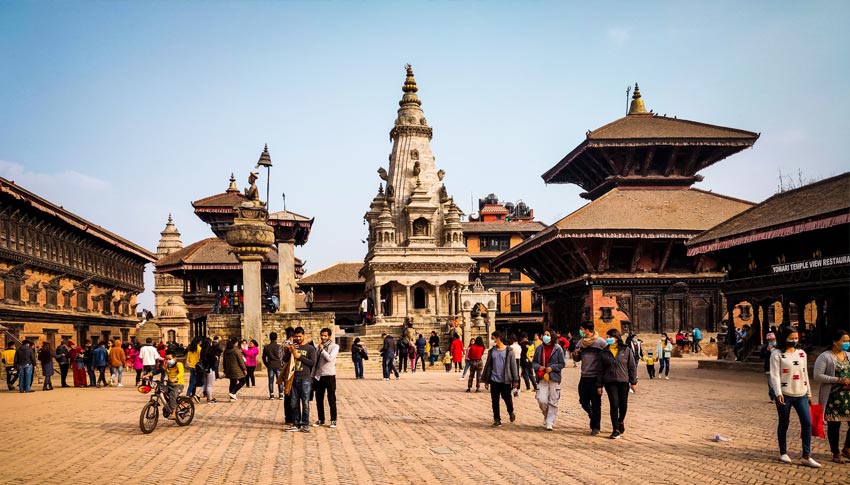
(620, 261)
(62, 276)
(495, 228)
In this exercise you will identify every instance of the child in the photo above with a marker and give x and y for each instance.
(650, 364)
(447, 360)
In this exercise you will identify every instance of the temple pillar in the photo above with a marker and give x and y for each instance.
(251, 237)
(436, 300)
(407, 300)
(786, 311)
(376, 297)
(757, 322)
(286, 275)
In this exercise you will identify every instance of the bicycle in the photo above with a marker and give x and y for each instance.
(183, 415)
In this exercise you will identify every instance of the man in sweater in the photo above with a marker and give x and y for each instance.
(325, 376)
(589, 352)
(305, 359)
(25, 363)
(273, 360)
(117, 359)
(499, 376)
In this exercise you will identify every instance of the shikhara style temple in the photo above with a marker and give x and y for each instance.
(621, 259)
(793, 249)
(62, 276)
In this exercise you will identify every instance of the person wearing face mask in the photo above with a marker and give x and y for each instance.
(764, 353)
(663, 351)
(547, 363)
(832, 370)
(789, 378)
(589, 353)
(174, 381)
(620, 375)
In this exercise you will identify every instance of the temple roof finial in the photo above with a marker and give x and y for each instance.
(409, 88)
(232, 187)
(637, 107)
(265, 158)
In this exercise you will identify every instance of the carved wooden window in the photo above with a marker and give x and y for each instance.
(607, 313)
(494, 243)
(516, 302)
(746, 312)
(51, 296)
(82, 299)
(12, 290)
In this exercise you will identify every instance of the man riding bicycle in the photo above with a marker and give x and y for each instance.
(173, 371)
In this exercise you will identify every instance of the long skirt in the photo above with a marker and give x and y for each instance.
(79, 375)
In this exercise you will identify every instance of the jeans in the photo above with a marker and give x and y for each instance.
(358, 369)
(116, 371)
(500, 390)
(475, 368)
(172, 392)
(548, 395)
(529, 377)
(697, 348)
(273, 375)
(101, 372)
(420, 356)
(465, 368)
(770, 393)
(326, 383)
(402, 362)
(92, 378)
(300, 399)
(590, 401)
(618, 401)
(833, 433)
(389, 366)
(193, 382)
(25, 377)
(664, 366)
(801, 406)
(63, 374)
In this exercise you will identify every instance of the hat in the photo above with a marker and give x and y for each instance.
(769, 336)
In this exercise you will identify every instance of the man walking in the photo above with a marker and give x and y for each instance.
(149, 356)
(697, 337)
(25, 363)
(526, 366)
(9, 361)
(589, 352)
(420, 352)
(100, 358)
(273, 360)
(325, 376)
(117, 359)
(387, 355)
(305, 359)
(500, 375)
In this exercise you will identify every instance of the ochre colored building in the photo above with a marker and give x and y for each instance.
(64, 277)
(621, 260)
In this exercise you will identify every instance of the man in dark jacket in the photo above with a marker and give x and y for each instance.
(526, 368)
(62, 360)
(434, 342)
(500, 375)
(273, 360)
(589, 353)
(402, 349)
(387, 355)
(305, 359)
(25, 363)
(420, 352)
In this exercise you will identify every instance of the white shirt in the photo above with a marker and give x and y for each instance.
(364, 305)
(516, 349)
(149, 355)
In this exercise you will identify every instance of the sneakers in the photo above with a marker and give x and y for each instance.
(615, 435)
(477, 390)
(513, 417)
(461, 378)
(317, 424)
(211, 401)
(292, 428)
(497, 423)
(622, 429)
(594, 432)
(468, 389)
(333, 424)
(386, 378)
(549, 427)
(667, 378)
(785, 458)
(120, 385)
(810, 462)
(197, 398)
(232, 397)
(271, 397)
(396, 377)
(281, 397)
(305, 429)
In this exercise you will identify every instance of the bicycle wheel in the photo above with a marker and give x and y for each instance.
(149, 417)
(185, 411)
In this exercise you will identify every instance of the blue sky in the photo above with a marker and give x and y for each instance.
(125, 111)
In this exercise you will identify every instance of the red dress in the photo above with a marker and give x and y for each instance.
(78, 367)
(457, 351)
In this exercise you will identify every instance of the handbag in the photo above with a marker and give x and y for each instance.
(816, 411)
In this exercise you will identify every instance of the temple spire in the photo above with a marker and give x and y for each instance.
(409, 88)
(265, 158)
(232, 187)
(637, 107)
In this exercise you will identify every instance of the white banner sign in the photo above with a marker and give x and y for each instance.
(811, 264)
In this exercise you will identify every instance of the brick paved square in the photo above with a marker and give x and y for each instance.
(421, 428)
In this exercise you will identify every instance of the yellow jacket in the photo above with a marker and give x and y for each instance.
(192, 358)
(9, 357)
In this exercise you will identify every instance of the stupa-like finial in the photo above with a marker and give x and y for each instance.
(409, 89)
(232, 187)
(637, 107)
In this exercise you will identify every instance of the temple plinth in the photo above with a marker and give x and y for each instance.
(251, 237)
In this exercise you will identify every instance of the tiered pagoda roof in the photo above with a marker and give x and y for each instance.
(213, 254)
(646, 149)
(217, 210)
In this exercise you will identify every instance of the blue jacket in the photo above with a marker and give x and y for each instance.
(99, 357)
(556, 361)
(697, 334)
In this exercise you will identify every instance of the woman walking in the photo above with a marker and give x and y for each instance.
(619, 375)
(832, 370)
(789, 378)
(457, 352)
(193, 356)
(476, 365)
(251, 362)
(208, 361)
(46, 356)
(358, 355)
(234, 367)
(663, 352)
(547, 363)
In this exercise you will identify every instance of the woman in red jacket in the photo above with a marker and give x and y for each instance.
(457, 352)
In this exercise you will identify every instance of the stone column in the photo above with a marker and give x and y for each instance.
(286, 275)
(376, 296)
(407, 300)
(436, 300)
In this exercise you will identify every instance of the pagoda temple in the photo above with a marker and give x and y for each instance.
(621, 260)
(417, 261)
